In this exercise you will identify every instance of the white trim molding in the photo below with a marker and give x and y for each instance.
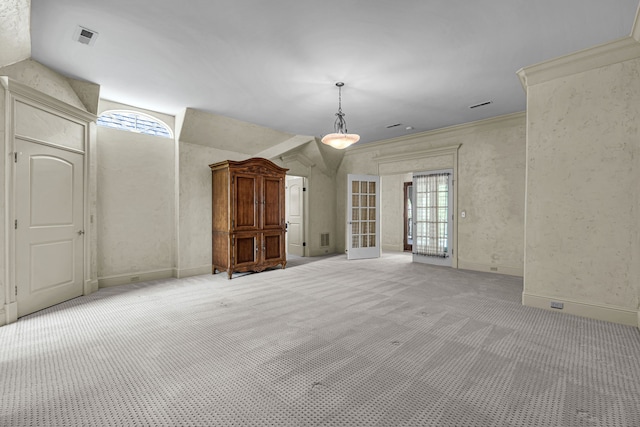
(193, 271)
(491, 268)
(608, 313)
(126, 279)
(620, 50)
(438, 134)
(9, 313)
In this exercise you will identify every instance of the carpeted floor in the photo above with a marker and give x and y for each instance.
(325, 342)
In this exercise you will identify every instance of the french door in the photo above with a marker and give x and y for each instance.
(363, 216)
(433, 217)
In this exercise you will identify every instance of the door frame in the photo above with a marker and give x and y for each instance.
(445, 157)
(405, 243)
(16, 93)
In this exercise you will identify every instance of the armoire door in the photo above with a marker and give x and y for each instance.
(272, 246)
(245, 202)
(246, 249)
(273, 202)
(49, 229)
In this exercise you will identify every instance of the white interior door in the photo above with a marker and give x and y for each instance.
(49, 234)
(363, 216)
(295, 215)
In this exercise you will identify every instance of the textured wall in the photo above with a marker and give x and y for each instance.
(194, 217)
(491, 174)
(136, 199)
(309, 160)
(39, 77)
(15, 37)
(3, 287)
(582, 187)
(491, 183)
(392, 211)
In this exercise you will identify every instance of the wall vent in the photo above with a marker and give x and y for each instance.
(85, 36)
(324, 240)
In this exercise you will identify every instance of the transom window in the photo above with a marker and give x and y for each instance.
(133, 121)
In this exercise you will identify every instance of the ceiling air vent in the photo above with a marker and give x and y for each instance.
(482, 104)
(394, 125)
(85, 36)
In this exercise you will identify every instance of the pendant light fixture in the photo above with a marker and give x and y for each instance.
(341, 138)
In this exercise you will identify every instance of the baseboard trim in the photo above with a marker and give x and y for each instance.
(193, 271)
(9, 313)
(90, 286)
(125, 279)
(608, 313)
(491, 268)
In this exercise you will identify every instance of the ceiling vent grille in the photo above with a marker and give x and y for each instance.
(85, 36)
(482, 104)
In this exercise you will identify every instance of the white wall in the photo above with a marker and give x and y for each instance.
(490, 170)
(392, 211)
(309, 161)
(194, 218)
(583, 197)
(136, 203)
(15, 37)
(4, 287)
(43, 79)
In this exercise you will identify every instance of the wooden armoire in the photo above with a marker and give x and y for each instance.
(248, 224)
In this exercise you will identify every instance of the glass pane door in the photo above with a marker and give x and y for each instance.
(432, 217)
(363, 219)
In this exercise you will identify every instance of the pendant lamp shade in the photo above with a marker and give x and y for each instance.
(341, 138)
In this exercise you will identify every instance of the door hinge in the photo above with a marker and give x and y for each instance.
(15, 157)
(304, 188)
(304, 244)
(233, 223)
(16, 290)
(15, 225)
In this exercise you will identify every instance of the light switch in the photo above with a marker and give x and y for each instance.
(463, 214)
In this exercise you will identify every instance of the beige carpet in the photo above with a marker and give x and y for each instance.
(329, 342)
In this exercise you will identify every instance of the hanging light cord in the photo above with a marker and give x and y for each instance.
(340, 125)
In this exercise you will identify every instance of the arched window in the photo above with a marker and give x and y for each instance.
(133, 121)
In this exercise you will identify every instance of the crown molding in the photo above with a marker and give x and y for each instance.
(614, 52)
(442, 133)
(434, 152)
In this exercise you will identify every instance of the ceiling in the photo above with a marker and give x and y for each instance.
(419, 63)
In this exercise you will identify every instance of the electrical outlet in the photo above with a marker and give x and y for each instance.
(494, 268)
(558, 305)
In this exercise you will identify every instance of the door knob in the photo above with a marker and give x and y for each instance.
(80, 232)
